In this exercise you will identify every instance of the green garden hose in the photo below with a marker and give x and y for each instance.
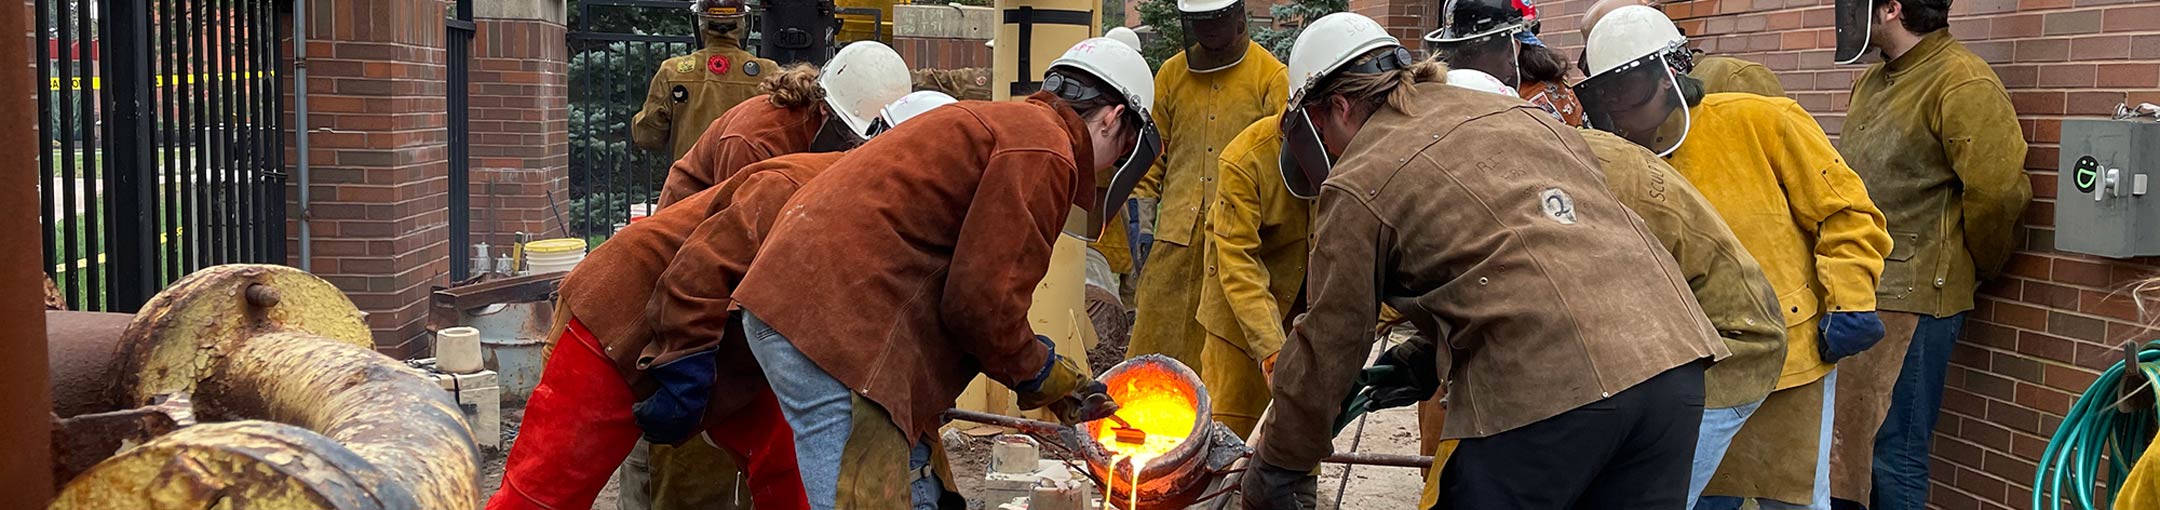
(2093, 429)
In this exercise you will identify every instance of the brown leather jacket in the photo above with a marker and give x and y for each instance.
(608, 292)
(909, 267)
(748, 133)
(1491, 216)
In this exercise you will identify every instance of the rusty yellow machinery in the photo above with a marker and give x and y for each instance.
(297, 409)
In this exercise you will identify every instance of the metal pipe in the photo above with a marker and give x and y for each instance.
(1039, 427)
(25, 423)
(300, 130)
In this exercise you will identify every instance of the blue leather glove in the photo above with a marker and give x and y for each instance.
(1848, 333)
(672, 413)
(1138, 237)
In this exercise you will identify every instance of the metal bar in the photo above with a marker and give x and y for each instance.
(229, 115)
(1039, 427)
(300, 132)
(168, 224)
(132, 194)
(228, 229)
(25, 429)
(94, 227)
(199, 206)
(258, 72)
(275, 188)
(48, 174)
(243, 164)
(70, 188)
(459, 32)
(620, 37)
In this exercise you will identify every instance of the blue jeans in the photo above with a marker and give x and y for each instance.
(1901, 445)
(1718, 428)
(1822, 463)
(821, 412)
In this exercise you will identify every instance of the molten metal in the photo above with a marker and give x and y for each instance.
(1163, 399)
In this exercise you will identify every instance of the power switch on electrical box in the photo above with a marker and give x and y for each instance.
(2104, 205)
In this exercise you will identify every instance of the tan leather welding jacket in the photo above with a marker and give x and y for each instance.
(750, 132)
(689, 91)
(909, 266)
(1490, 215)
(1935, 138)
(1725, 278)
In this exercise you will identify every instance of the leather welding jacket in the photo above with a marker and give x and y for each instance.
(966, 83)
(1491, 216)
(1258, 232)
(610, 290)
(750, 132)
(1721, 74)
(1198, 114)
(1936, 139)
(909, 266)
(689, 91)
(1724, 277)
(1770, 171)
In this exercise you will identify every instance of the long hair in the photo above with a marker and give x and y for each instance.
(793, 86)
(1391, 88)
(1539, 63)
(2147, 296)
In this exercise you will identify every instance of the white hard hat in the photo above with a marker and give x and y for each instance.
(1118, 65)
(1203, 6)
(911, 105)
(861, 79)
(1627, 34)
(1479, 81)
(1124, 35)
(1330, 43)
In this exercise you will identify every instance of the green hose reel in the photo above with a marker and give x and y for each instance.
(2114, 418)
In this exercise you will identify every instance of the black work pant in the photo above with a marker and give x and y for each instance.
(1632, 451)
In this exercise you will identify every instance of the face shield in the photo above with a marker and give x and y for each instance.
(835, 136)
(1305, 160)
(1855, 25)
(1113, 187)
(1640, 101)
(1212, 39)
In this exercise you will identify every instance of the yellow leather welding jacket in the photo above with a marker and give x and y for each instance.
(1770, 171)
(1721, 74)
(1258, 233)
(1935, 137)
(689, 91)
(1198, 114)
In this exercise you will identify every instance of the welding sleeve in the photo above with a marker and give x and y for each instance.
(1001, 253)
(716, 156)
(1827, 197)
(649, 130)
(1327, 348)
(1987, 150)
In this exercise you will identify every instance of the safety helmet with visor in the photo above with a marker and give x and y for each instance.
(1214, 31)
(1333, 46)
(858, 82)
(1635, 58)
(1123, 75)
(907, 107)
(1490, 28)
(1855, 26)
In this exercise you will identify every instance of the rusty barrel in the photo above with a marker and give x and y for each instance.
(1147, 386)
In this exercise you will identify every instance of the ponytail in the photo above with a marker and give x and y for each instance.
(793, 86)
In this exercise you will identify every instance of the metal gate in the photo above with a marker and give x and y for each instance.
(614, 47)
(162, 142)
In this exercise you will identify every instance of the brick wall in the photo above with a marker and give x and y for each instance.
(379, 151)
(2041, 334)
(1407, 20)
(520, 130)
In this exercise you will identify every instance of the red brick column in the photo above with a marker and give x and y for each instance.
(520, 130)
(379, 148)
(2042, 333)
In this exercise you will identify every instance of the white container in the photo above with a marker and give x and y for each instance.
(553, 255)
(457, 350)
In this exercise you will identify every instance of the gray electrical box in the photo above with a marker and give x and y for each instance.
(2104, 200)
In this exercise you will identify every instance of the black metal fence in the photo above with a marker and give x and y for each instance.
(162, 146)
(459, 31)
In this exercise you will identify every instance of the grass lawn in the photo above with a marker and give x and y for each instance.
(89, 268)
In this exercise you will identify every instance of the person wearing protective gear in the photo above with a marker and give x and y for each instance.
(1771, 173)
(1724, 277)
(1932, 133)
(1609, 418)
(1257, 234)
(896, 278)
(1719, 74)
(969, 83)
(1499, 39)
(689, 91)
(803, 109)
(1208, 94)
(588, 408)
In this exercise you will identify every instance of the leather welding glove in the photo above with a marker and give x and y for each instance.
(1140, 229)
(1848, 333)
(1406, 374)
(1065, 390)
(673, 411)
(1266, 487)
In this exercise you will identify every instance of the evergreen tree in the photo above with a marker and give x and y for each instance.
(1169, 36)
(1292, 17)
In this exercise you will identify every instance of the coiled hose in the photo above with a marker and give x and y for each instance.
(2095, 428)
